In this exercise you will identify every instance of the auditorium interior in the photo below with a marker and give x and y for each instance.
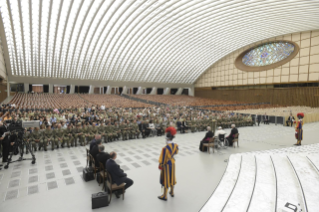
(204, 105)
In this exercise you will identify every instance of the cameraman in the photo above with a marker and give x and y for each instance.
(4, 129)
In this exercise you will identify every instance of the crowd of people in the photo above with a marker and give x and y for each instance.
(68, 127)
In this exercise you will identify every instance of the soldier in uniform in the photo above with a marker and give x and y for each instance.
(59, 137)
(78, 134)
(36, 138)
(123, 129)
(102, 131)
(116, 130)
(109, 132)
(86, 131)
(93, 132)
(48, 137)
(68, 136)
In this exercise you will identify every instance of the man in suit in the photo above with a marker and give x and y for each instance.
(290, 120)
(266, 119)
(207, 137)
(258, 119)
(232, 134)
(117, 174)
(102, 156)
(95, 150)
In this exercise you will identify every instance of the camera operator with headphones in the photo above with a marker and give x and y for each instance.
(4, 138)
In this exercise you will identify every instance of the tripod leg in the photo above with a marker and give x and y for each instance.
(10, 156)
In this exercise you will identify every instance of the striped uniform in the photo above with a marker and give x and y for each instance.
(167, 166)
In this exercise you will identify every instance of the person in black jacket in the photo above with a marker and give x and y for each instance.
(207, 137)
(266, 119)
(290, 120)
(117, 174)
(95, 150)
(102, 156)
(232, 134)
(5, 142)
(258, 119)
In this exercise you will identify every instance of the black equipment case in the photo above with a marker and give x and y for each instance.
(88, 174)
(100, 200)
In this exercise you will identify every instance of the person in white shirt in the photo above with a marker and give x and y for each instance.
(219, 131)
(152, 128)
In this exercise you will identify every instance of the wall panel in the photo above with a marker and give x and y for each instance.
(303, 96)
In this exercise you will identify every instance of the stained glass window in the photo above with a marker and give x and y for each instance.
(268, 53)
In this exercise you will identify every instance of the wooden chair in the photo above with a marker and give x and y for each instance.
(236, 140)
(95, 169)
(102, 175)
(112, 186)
(210, 144)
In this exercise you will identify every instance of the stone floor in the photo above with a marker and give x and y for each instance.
(55, 183)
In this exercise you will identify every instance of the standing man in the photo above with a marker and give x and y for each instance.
(290, 120)
(167, 164)
(299, 130)
(266, 119)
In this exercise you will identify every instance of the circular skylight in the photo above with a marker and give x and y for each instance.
(268, 53)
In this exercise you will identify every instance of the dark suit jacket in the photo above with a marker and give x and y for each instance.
(290, 119)
(92, 144)
(259, 118)
(102, 157)
(233, 132)
(117, 174)
(209, 134)
(94, 151)
(266, 117)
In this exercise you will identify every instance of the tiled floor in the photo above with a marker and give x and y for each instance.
(55, 183)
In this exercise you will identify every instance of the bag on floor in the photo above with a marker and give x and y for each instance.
(88, 174)
(100, 200)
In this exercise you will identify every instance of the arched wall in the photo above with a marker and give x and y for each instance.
(304, 67)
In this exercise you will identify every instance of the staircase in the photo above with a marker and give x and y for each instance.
(280, 180)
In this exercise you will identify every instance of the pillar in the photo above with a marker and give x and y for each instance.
(50, 88)
(191, 92)
(91, 90)
(109, 89)
(139, 91)
(26, 87)
(124, 91)
(179, 91)
(154, 91)
(72, 89)
(167, 91)
(8, 89)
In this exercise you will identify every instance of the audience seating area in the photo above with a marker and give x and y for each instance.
(22, 100)
(113, 101)
(175, 100)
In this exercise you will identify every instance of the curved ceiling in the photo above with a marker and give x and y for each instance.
(140, 40)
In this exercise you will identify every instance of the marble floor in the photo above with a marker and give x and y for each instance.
(55, 182)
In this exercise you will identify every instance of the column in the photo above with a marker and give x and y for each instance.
(50, 88)
(191, 92)
(139, 91)
(91, 90)
(167, 91)
(8, 89)
(109, 89)
(179, 91)
(26, 87)
(72, 89)
(124, 91)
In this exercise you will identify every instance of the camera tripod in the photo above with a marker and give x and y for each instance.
(16, 146)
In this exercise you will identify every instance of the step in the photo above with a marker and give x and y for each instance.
(240, 198)
(289, 190)
(264, 197)
(225, 187)
(309, 179)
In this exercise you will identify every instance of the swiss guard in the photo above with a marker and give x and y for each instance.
(299, 130)
(167, 163)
